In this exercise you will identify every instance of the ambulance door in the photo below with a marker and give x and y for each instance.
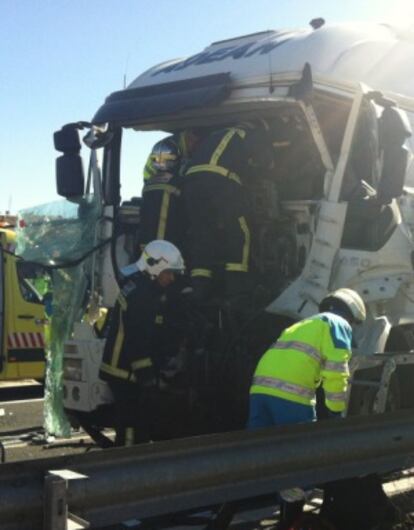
(25, 317)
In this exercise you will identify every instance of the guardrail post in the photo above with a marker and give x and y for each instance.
(55, 503)
(55, 506)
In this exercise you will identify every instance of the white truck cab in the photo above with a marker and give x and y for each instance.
(334, 212)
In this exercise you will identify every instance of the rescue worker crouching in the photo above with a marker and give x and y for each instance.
(217, 212)
(128, 364)
(312, 352)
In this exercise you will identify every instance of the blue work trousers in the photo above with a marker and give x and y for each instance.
(265, 410)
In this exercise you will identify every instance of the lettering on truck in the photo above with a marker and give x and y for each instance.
(229, 52)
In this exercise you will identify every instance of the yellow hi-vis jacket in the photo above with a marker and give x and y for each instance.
(313, 351)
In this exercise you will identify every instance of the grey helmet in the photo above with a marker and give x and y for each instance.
(165, 156)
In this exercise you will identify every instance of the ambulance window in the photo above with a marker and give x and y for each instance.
(29, 293)
(31, 282)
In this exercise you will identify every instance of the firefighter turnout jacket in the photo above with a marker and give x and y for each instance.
(128, 350)
(161, 214)
(313, 351)
(216, 205)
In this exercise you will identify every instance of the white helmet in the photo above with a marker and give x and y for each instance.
(158, 256)
(345, 299)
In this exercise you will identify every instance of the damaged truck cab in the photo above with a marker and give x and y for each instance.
(335, 211)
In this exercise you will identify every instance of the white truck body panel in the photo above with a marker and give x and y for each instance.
(376, 54)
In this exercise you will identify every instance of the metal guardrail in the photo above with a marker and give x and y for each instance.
(168, 477)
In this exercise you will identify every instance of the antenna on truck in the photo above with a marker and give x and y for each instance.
(126, 70)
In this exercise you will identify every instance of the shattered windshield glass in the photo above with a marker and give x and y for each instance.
(59, 233)
(62, 236)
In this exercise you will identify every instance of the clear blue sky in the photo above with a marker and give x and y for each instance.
(59, 59)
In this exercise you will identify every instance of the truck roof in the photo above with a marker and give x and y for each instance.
(379, 55)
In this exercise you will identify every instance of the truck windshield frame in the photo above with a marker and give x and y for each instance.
(111, 185)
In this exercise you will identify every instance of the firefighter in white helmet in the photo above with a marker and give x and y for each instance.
(128, 365)
(312, 352)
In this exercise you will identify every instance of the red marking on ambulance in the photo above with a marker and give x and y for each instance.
(25, 340)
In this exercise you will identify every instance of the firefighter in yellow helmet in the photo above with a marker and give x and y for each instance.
(161, 213)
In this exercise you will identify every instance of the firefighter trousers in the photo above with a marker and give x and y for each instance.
(131, 410)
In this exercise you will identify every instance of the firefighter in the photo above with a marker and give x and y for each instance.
(216, 208)
(128, 364)
(161, 210)
(314, 351)
(184, 143)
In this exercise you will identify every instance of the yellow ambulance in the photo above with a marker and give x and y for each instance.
(22, 317)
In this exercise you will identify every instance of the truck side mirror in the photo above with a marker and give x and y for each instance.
(394, 129)
(70, 178)
(67, 139)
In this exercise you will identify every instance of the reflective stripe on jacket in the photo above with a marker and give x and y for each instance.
(311, 352)
(161, 215)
